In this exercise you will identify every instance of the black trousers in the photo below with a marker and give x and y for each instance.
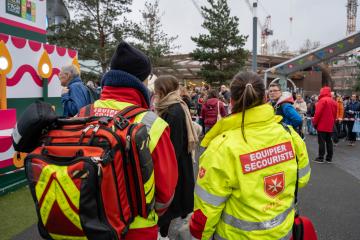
(351, 134)
(324, 139)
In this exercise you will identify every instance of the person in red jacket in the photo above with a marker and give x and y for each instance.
(211, 109)
(125, 85)
(323, 121)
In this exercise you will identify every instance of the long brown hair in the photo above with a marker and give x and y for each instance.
(247, 91)
(166, 84)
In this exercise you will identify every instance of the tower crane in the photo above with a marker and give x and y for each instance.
(266, 30)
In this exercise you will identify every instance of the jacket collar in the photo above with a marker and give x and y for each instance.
(74, 80)
(121, 79)
(129, 95)
(260, 115)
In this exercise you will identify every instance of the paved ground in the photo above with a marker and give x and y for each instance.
(331, 199)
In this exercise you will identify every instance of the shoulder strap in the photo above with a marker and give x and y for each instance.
(86, 111)
(286, 127)
(122, 118)
(131, 111)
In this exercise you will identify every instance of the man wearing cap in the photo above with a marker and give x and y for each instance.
(125, 85)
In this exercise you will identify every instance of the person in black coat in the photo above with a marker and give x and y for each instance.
(170, 106)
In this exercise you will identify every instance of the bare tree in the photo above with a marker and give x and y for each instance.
(278, 47)
(309, 45)
(150, 36)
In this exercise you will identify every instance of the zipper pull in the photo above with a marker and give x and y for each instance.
(128, 141)
(96, 128)
(97, 161)
(88, 128)
(99, 169)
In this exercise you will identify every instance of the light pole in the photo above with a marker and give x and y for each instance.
(254, 52)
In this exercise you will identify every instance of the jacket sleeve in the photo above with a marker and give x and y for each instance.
(341, 110)
(165, 170)
(69, 104)
(213, 187)
(222, 109)
(302, 158)
(291, 114)
(318, 111)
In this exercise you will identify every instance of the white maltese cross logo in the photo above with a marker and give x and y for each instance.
(274, 184)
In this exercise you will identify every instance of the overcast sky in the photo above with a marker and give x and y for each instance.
(318, 20)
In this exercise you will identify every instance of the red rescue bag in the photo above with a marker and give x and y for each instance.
(91, 176)
(303, 229)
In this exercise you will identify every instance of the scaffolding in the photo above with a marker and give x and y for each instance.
(351, 16)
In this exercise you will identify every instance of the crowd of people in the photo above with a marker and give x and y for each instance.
(348, 109)
(247, 146)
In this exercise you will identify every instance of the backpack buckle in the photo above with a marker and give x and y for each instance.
(122, 123)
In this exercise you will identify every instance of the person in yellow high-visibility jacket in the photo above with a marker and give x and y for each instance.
(248, 172)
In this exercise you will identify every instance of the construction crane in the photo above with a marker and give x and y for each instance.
(266, 30)
(351, 16)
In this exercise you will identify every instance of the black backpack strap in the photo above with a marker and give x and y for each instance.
(131, 111)
(122, 118)
(286, 127)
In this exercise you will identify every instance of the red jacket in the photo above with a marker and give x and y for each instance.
(209, 111)
(163, 156)
(325, 111)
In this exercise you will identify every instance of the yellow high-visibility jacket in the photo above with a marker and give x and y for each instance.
(245, 190)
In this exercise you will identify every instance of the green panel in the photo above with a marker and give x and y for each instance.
(20, 104)
(15, 31)
(12, 181)
(56, 102)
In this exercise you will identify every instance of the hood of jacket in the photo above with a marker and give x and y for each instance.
(262, 114)
(286, 97)
(212, 102)
(325, 92)
(74, 80)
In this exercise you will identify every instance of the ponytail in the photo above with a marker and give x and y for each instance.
(247, 91)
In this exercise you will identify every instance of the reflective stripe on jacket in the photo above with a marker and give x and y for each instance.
(157, 129)
(245, 190)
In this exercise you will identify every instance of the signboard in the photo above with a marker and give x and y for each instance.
(25, 9)
(25, 14)
(23, 80)
(13, 7)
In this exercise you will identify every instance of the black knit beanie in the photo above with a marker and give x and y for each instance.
(131, 60)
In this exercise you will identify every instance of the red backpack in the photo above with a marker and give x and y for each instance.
(91, 176)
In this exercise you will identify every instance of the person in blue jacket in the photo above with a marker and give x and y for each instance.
(283, 105)
(351, 108)
(74, 94)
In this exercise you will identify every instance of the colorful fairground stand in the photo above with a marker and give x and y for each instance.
(29, 69)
